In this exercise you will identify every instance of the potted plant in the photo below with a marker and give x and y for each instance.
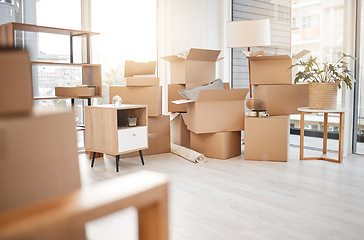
(323, 80)
(132, 121)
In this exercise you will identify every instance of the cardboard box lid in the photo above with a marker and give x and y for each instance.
(276, 57)
(196, 54)
(139, 68)
(218, 95)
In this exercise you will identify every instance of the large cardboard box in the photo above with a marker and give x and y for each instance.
(158, 137)
(220, 110)
(266, 139)
(180, 135)
(140, 74)
(39, 158)
(272, 69)
(88, 91)
(151, 96)
(16, 91)
(199, 66)
(281, 99)
(221, 145)
(173, 95)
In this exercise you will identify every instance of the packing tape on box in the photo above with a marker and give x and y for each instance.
(187, 153)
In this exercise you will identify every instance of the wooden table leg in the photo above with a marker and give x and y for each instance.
(324, 144)
(302, 133)
(153, 220)
(341, 137)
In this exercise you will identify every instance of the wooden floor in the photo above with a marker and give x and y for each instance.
(238, 199)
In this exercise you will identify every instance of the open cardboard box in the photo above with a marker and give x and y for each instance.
(281, 99)
(151, 96)
(266, 139)
(199, 66)
(173, 95)
(221, 145)
(272, 69)
(84, 91)
(219, 110)
(134, 72)
(180, 135)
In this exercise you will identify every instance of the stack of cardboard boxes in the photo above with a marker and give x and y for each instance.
(142, 87)
(195, 68)
(39, 158)
(268, 138)
(212, 124)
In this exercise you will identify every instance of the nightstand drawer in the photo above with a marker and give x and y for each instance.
(132, 138)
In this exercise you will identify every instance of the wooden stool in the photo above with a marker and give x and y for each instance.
(304, 110)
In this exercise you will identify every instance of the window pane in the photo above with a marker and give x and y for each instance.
(128, 31)
(321, 32)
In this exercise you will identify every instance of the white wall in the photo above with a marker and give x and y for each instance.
(191, 24)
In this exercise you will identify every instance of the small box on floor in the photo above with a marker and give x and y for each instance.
(266, 139)
(151, 96)
(158, 137)
(221, 145)
(180, 135)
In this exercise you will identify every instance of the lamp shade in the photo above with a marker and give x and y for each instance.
(248, 33)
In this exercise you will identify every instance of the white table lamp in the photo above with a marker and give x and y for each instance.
(248, 33)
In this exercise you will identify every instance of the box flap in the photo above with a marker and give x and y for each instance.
(182, 101)
(139, 68)
(222, 95)
(203, 55)
(301, 54)
(173, 116)
(173, 58)
(265, 58)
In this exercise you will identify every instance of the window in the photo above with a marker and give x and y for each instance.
(128, 31)
(324, 38)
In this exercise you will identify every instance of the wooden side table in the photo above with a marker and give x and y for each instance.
(107, 130)
(341, 112)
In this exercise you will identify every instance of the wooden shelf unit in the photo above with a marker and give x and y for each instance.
(91, 73)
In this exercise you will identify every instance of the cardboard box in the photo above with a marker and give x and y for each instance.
(16, 91)
(174, 95)
(272, 69)
(151, 96)
(88, 91)
(221, 145)
(281, 99)
(39, 158)
(180, 135)
(266, 139)
(220, 110)
(134, 72)
(158, 137)
(199, 66)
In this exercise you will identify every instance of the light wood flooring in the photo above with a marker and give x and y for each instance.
(239, 199)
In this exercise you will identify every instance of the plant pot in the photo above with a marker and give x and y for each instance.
(132, 122)
(322, 95)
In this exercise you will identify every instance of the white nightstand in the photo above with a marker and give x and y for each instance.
(107, 130)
